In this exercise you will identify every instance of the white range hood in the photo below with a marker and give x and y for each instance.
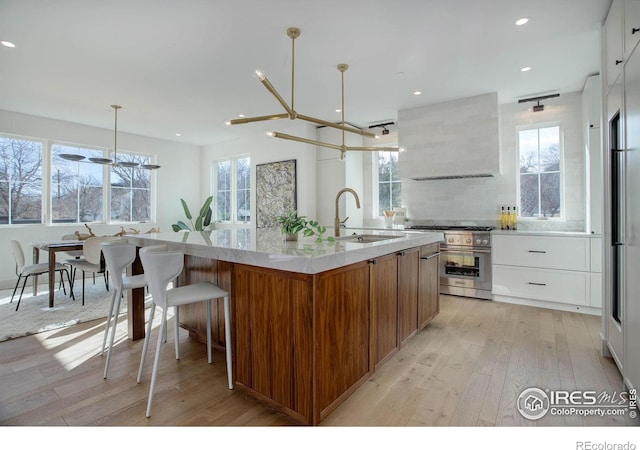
(456, 139)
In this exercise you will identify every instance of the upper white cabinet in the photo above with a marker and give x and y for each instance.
(592, 112)
(613, 43)
(631, 25)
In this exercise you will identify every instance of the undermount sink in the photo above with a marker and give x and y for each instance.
(366, 238)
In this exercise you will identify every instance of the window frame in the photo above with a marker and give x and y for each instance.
(233, 189)
(46, 212)
(376, 181)
(561, 171)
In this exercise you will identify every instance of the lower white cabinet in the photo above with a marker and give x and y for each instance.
(554, 271)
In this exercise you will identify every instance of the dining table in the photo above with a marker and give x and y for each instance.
(52, 247)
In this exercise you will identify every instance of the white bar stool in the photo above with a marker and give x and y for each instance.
(161, 267)
(118, 255)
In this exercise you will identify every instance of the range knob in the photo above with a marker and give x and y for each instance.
(469, 241)
(450, 240)
(479, 241)
(485, 241)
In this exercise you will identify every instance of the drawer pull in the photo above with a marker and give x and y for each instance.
(430, 256)
(537, 251)
(537, 284)
(634, 30)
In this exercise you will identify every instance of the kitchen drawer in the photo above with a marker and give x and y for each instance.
(546, 252)
(541, 284)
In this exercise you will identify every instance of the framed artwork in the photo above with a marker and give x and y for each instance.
(275, 192)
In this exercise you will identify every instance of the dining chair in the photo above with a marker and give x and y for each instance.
(162, 267)
(118, 255)
(24, 270)
(91, 261)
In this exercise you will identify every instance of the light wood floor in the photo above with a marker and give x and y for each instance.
(466, 368)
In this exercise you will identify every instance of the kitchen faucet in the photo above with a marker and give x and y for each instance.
(336, 223)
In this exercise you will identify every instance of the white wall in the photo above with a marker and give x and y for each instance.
(263, 149)
(178, 177)
(479, 199)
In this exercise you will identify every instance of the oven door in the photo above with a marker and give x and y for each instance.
(465, 267)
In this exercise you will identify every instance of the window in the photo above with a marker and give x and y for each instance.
(20, 181)
(131, 190)
(540, 154)
(389, 183)
(232, 190)
(76, 188)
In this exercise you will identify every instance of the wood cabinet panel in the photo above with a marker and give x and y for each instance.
(428, 285)
(408, 270)
(342, 331)
(273, 338)
(384, 304)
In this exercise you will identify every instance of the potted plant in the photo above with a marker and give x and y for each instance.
(202, 221)
(291, 224)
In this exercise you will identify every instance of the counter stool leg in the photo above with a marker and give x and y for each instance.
(114, 326)
(209, 357)
(156, 363)
(227, 339)
(108, 324)
(145, 346)
(176, 310)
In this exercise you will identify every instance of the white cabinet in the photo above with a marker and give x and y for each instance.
(592, 113)
(613, 43)
(631, 25)
(596, 288)
(552, 271)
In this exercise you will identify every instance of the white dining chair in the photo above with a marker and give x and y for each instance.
(24, 271)
(162, 267)
(118, 255)
(91, 261)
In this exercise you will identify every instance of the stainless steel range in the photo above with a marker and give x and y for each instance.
(465, 260)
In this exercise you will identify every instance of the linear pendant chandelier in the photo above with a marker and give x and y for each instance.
(106, 161)
(292, 114)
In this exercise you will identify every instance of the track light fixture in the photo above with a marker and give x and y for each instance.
(292, 114)
(539, 107)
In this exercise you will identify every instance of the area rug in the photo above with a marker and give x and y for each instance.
(35, 316)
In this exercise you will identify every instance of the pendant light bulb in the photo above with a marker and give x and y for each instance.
(259, 75)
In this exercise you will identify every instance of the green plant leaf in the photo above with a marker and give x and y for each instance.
(206, 205)
(207, 218)
(186, 209)
(322, 229)
(183, 226)
(308, 232)
(175, 227)
(198, 225)
(331, 239)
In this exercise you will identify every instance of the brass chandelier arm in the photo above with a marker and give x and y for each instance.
(289, 137)
(266, 83)
(372, 149)
(337, 126)
(258, 119)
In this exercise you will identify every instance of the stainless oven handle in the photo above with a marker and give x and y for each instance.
(433, 255)
(455, 250)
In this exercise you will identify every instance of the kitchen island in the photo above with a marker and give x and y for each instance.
(311, 321)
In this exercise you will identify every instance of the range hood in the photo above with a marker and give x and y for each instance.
(451, 140)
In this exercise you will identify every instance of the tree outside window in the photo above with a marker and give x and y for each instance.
(20, 181)
(131, 190)
(76, 187)
(232, 186)
(540, 154)
(389, 182)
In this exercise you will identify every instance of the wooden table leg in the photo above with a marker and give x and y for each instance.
(135, 304)
(52, 276)
(36, 259)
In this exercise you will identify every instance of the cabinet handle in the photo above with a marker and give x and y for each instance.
(430, 256)
(372, 261)
(537, 251)
(400, 254)
(537, 284)
(634, 30)
(618, 61)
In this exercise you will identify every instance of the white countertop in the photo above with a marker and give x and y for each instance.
(267, 247)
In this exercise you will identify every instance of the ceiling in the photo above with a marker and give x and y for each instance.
(186, 66)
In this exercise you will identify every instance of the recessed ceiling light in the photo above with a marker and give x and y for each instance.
(417, 92)
(8, 44)
(525, 69)
(338, 110)
(522, 21)
(241, 115)
(178, 134)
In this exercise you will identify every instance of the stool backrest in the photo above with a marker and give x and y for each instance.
(160, 268)
(118, 255)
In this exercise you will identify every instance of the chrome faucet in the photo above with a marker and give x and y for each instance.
(337, 223)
